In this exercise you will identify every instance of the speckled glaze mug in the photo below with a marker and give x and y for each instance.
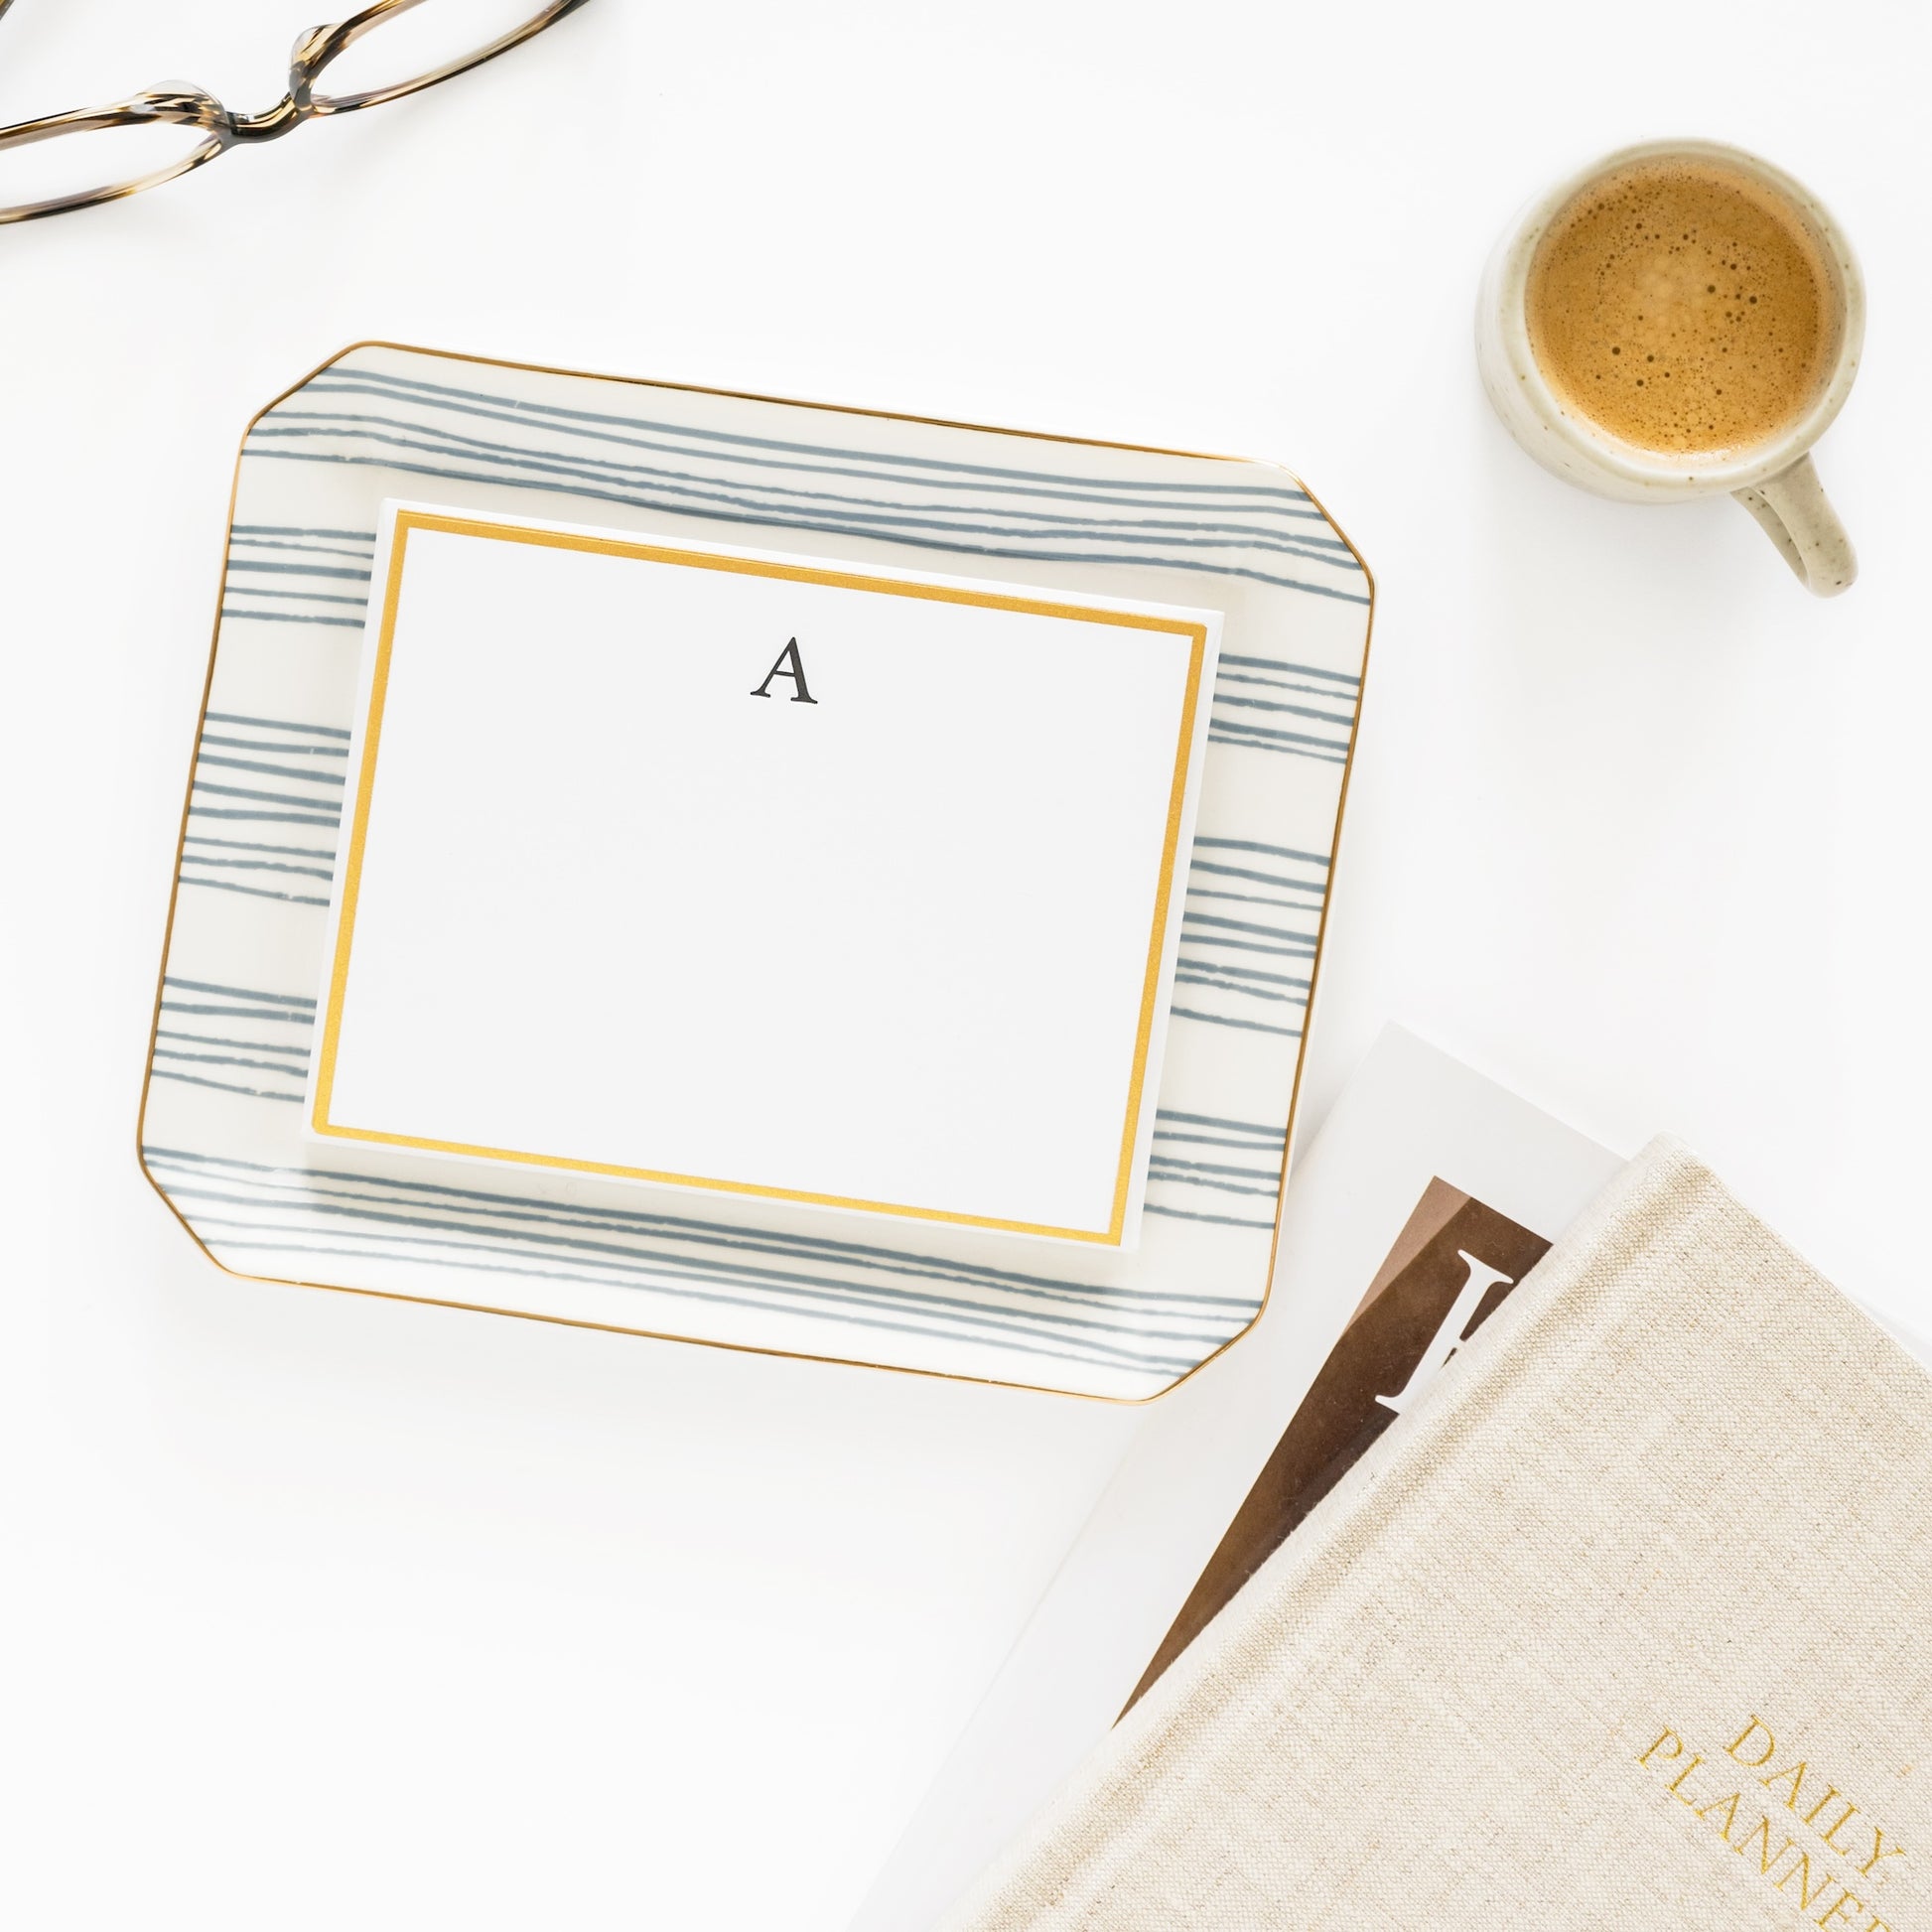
(1773, 477)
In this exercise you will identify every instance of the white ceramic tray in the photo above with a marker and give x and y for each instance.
(221, 1134)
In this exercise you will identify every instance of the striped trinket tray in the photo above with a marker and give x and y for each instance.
(221, 1118)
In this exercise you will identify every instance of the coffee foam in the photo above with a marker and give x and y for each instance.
(1683, 307)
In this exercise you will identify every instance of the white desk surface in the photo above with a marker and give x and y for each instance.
(323, 1610)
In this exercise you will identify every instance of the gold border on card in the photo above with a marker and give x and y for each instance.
(705, 1341)
(485, 529)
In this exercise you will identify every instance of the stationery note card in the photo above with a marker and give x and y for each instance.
(724, 868)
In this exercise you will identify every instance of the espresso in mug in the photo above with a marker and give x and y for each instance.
(1682, 305)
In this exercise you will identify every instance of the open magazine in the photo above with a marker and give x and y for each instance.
(1446, 1273)
(1430, 1192)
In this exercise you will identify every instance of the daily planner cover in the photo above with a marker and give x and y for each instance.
(1626, 1622)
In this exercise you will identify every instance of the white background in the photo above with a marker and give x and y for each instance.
(322, 1610)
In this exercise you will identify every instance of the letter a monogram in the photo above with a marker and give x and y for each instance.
(790, 666)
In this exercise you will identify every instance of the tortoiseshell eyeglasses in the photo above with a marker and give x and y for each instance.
(388, 50)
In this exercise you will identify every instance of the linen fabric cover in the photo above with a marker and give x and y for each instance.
(1627, 1622)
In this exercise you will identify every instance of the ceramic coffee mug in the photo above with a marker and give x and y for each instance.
(1773, 477)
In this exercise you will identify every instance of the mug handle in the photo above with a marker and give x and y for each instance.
(1796, 516)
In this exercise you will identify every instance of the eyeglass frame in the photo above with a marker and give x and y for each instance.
(195, 107)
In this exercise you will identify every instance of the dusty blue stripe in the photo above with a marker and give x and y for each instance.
(1242, 972)
(240, 993)
(250, 892)
(1203, 1140)
(298, 597)
(357, 553)
(1200, 864)
(1225, 676)
(319, 805)
(949, 466)
(1169, 1162)
(1021, 1343)
(226, 1060)
(1097, 495)
(1275, 1134)
(1246, 1025)
(222, 1086)
(1221, 1220)
(290, 616)
(238, 1013)
(1243, 946)
(1271, 704)
(259, 864)
(329, 422)
(1142, 1302)
(280, 750)
(897, 522)
(708, 1233)
(1274, 851)
(770, 520)
(958, 1315)
(300, 1055)
(257, 845)
(771, 1279)
(1289, 948)
(297, 570)
(306, 811)
(1151, 1364)
(267, 818)
(1218, 1187)
(366, 537)
(1300, 670)
(1210, 974)
(1215, 1186)
(1245, 925)
(1255, 898)
(1194, 977)
(1273, 750)
(1204, 963)
(307, 777)
(1272, 735)
(1316, 888)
